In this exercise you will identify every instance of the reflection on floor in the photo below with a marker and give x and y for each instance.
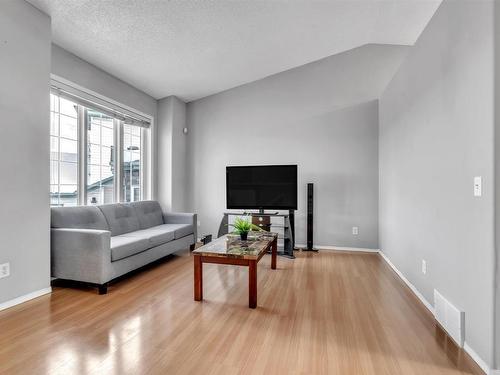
(325, 313)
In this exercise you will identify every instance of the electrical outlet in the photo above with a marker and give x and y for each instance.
(4, 270)
(355, 230)
(424, 267)
(478, 189)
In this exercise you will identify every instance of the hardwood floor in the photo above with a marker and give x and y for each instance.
(323, 313)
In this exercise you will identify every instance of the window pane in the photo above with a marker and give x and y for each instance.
(131, 184)
(68, 195)
(100, 160)
(107, 136)
(136, 156)
(94, 175)
(54, 123)
(106, 156)
(135, 143)
(94, 154)
(69, 173)
(69, 150)
(54, 199)
(107, 121)
(67, 108)
(106, 174)
(54, 148)
(63, 152)
(54, 103)
(69, 127)
(54, 173)
(135, 130)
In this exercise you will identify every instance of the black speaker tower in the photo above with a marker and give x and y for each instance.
(310, 216)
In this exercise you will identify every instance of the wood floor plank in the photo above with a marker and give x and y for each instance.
(323, 313)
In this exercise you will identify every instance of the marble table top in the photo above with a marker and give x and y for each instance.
(230, 245)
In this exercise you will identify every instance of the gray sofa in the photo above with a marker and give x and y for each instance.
(95, 244)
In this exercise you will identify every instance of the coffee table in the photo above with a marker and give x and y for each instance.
(230, 249)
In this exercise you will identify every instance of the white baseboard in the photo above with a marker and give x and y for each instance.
(475, 357)
(25, 298)
(407, 282)
(340, 248)
(480, 362)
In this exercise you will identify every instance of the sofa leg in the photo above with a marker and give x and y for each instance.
(103, 288)
(192, 247)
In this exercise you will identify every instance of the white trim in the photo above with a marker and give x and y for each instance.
(149, 177)
(57, 79)
(475, 357)
(480, 362)
(25, 298)
(340, 248)
(407, 282)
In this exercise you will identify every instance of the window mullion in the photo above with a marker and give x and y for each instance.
(82, 155)
(143, 165)
(118, 158)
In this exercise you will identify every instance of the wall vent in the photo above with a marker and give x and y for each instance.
(449, 317)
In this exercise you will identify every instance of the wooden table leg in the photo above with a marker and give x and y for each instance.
(252, 284)
(198, 278)
(274, 252)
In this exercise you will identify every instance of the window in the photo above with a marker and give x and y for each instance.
(132, 171)
(100, 158)
(95, 157)
(63, 152)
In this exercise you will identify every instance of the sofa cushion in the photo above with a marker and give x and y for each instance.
(82, 217)
(179, 230)
(149, 213)
(182, 230)
(121, 218)
(156, 235)
(124, 246)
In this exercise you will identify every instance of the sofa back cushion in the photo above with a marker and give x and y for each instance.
(149, 213)
(82, 217)
(121, 218)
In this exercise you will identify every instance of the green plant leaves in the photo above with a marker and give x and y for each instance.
(244, 225)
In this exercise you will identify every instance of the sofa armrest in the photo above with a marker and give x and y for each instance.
(182, 218)
(81, 254)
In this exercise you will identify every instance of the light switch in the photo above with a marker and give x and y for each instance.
(478, 189)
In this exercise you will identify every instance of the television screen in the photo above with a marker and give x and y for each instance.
(262, 187)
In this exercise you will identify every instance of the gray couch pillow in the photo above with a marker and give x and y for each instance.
(121, 218)
(81, 217)
(149, 213)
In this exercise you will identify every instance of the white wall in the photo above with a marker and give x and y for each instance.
(24, 145)
(320, 116)
(496, 347)
(436, 134)
(172, 154)
(76, 70)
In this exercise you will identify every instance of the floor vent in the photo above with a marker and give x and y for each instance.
(449, 317)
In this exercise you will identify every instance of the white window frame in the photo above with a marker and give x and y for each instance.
(147, 145)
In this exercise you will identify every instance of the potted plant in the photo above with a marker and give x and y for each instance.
(242, 226)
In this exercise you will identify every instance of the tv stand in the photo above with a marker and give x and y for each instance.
(262, 212)
(288, 228)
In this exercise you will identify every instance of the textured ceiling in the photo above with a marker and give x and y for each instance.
(197, 48)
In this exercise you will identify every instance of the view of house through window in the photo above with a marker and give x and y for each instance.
(104, 141)
(100, 158)
(63, 152)
(132, 179)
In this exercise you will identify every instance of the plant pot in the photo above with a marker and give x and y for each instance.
(244, 236)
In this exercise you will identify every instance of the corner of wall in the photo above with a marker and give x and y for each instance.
(171, 154)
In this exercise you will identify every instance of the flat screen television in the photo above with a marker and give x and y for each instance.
(262, 187)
